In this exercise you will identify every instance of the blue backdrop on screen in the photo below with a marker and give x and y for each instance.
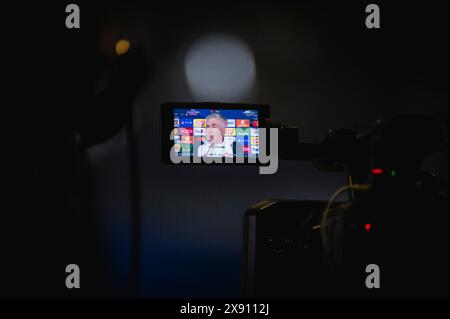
(228, 114)
(242, 127)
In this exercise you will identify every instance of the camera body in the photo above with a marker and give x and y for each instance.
(403, 232)
(400, 224)
(397, 222)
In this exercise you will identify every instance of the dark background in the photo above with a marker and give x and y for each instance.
(317, 66)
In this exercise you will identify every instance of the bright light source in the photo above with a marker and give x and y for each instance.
(220, 67)
(367, 227)
(122, 47)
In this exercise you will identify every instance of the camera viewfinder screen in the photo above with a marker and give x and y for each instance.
(216, 132)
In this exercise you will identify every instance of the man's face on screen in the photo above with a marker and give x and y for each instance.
(215, 130)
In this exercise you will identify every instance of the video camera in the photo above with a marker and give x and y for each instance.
(395, 219)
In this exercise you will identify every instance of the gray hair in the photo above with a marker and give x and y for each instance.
(216, 115)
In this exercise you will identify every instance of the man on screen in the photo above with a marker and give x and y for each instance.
(214, 143)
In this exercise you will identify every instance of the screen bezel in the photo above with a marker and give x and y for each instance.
(167, 120)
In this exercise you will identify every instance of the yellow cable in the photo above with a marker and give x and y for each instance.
(323, 224)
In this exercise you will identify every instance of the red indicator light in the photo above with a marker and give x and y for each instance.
(367, 227)
(377, 171)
